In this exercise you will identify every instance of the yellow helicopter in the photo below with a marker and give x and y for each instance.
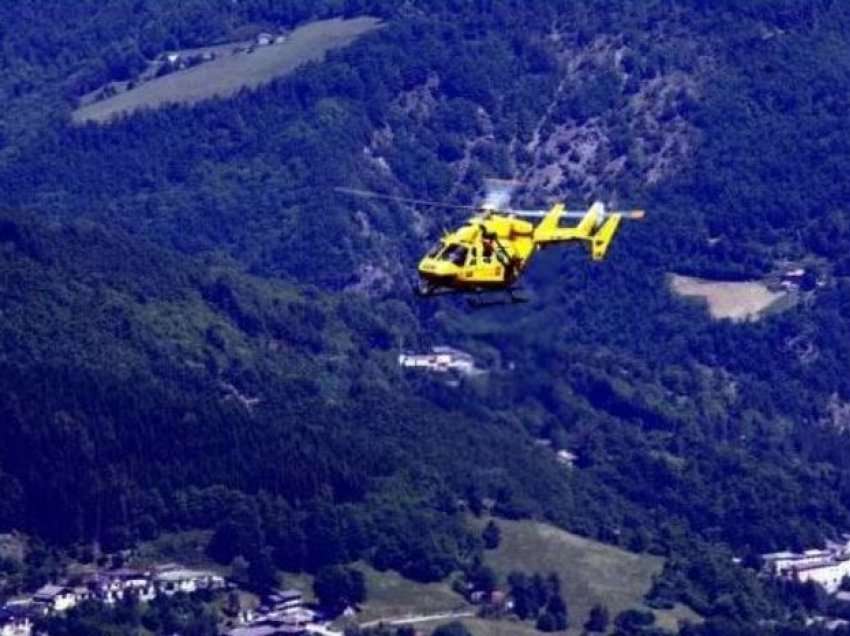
(490, 252)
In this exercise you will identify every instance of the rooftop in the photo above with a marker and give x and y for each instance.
(49, 591)
(183, 574)
(819, 565)
(776, 556)
(255, 630)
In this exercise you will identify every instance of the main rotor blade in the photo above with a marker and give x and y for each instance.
(531, 214)
(539, 214)
(573, 214)
(368, 194)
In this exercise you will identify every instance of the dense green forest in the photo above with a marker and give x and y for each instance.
(197, 332)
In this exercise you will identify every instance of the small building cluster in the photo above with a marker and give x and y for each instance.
(107, 586)
(282, 613)
(494, 600)
(827, 566)
(267, 39)
(563, 456)
(792, 279)
(442, 359)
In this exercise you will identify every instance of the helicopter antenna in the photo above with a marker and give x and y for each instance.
(368, 194)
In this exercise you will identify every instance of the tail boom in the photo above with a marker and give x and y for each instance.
(597, 228)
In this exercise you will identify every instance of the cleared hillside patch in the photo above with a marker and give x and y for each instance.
(391, 596)
(590, 572)
(738, 301)
(227, 74)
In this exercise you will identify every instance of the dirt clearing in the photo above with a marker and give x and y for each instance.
(738, 301)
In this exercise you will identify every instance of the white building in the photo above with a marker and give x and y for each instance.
(442, 359)
(177, 580)
(781, 563)
(285, 601)
(15, 620)
(566, 458)
(110, 586)
(55, 598)
(828, 574)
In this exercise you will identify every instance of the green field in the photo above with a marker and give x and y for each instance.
(228, 74)
(187, 548)
(590, 572)
(391, 596)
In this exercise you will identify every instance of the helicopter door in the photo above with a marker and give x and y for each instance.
(491, 268)
(471, 263)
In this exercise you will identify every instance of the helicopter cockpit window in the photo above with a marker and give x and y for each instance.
(455, 254)
(432, 253)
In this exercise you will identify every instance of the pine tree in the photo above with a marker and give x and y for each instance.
(492, 536)
(598, 620)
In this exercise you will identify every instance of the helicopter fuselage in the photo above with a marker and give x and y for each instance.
(488, 252)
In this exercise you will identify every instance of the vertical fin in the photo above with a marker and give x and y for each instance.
(591, 220)
(601, 240)
(547, 229)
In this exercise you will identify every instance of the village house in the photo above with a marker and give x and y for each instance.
(16, 619)
(110, 586)
(826, 567)
(122, 580)
(271, 626)
(55, 598)
(173, 580)
(828, 574)
(442, 359)
(285, 601)
(105, 589)
(566, 458)
(781, 563)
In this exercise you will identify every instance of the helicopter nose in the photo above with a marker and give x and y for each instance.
(437, 272)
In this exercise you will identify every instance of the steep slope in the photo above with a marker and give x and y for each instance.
(727, 122)
(135, 382)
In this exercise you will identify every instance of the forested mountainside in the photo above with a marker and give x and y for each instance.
(198, 332)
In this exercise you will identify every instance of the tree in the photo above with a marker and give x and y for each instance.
(557, 608)
(232, 605)
(491, 535)
(518, 582)
(240, 570)
(337, 587)
(598, 619)
(484, 578)
(634, 620)
(241, 534)
(261, 572)
(546, 622)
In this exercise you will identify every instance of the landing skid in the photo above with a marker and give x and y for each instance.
(475, 298)
(512, 298)
(433, 292)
